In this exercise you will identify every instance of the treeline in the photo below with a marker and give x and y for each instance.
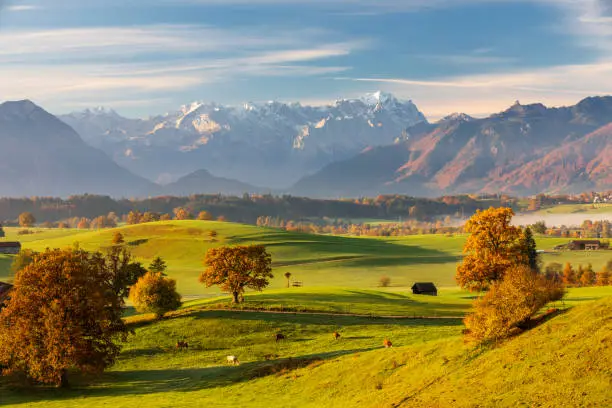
(588, 229)
(580, 276)
(545, 200)
(248, 208)
(339, 227)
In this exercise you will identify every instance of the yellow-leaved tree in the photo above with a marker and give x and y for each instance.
(154, 293)
(493, 247)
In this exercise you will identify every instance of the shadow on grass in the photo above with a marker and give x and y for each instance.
(322, 319)
(140, 382)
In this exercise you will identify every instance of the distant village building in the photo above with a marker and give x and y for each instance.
(425, 288)
(586, 245)
(11, 248)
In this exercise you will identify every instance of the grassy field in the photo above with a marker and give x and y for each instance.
(577, 209)
(316, 260)
(564, 362)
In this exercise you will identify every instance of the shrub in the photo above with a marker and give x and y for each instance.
(153, 293)
(384, 282)
(509, 305)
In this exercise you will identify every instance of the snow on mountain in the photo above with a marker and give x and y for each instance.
(272, 144)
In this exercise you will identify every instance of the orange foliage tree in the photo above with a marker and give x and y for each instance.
(492, 247)
(62, 314)
(154, 293)
(236, 268)
(26, 219)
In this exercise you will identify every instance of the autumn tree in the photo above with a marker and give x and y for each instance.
(492, 248)
(236, 268)
(588, 276)
(158, 265)
(288, 277)
(133, 218)
(603, 278)
(205, 216)
(181, 213)
(569, 276)
(62, 314)
(26, 219)
(125, 271)
(118, 238)
(510, 303)
(154, 293)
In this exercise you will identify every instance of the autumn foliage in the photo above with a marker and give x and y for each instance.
(154, 293)
(510, 303)
(491, 249)
(63, 313)
(236, 268)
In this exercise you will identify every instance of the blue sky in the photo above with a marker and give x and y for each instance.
(147, 57)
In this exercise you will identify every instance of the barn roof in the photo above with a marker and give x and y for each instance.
(425, 287)
(10, 245)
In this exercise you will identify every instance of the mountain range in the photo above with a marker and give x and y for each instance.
(372, 145)
(272, 144)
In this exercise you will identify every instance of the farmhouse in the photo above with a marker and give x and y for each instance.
(4, 291)
(12, 248)
(586, 245)
(425, 288)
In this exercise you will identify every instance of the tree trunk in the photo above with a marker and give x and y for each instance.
(236, 298)
(63, 380)
(287, 282)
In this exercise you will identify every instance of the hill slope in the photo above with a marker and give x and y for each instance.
(524, 150)
(42, 156)
(564, 362)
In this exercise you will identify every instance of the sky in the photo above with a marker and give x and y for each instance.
(146, 57)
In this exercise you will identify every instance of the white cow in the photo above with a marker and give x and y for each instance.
(233, 360)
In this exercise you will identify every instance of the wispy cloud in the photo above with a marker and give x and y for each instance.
(134, 61)
(489, 93)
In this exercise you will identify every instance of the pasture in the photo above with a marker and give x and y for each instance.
(319, 261)
(428, 365)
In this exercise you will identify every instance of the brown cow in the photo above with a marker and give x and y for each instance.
(182, 345)
(280, 337)
(336, 335)
(387, 343)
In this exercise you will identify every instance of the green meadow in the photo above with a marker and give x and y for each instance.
(563, 362)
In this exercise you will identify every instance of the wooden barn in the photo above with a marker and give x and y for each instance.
(11, 248)
(425, 288)
(585, 245)
(4, 291)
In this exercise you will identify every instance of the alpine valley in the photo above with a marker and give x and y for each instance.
(371, 145)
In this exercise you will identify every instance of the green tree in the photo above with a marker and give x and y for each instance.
(490, 250)
(528, 249)
(154, 293)
(61, 315)
(539, 227)
(26, 219)
(158, 265)
(125, 271)
(24, 258)
(236, 268)
(2, 233)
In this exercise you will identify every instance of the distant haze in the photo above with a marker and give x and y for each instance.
(557, 220)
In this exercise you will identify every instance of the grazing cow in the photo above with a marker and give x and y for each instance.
(233, 360)
(182, 345)
(336, 335)
(387, 343)
(280, 337)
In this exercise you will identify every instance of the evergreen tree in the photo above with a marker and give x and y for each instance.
(159, 266)
(529, 250)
